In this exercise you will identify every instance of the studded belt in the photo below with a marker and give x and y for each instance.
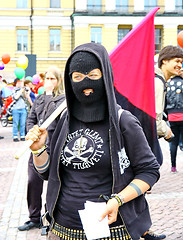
(117, 233)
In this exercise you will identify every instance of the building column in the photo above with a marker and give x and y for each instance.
(138, 5)
(169, 5)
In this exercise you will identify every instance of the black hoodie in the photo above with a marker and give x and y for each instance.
(131, 156)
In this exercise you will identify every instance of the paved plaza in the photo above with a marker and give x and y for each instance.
(165, 201)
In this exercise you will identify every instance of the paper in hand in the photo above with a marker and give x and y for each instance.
(90, 220)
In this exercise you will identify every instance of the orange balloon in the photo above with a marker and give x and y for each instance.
(5, 58)
(180, 39)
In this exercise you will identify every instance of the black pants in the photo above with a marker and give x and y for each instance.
(34, 192)
(177, 129)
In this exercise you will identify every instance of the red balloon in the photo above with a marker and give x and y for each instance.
(180, 39)
(5, 58)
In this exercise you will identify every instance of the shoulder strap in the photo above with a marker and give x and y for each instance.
(120, 111)
(163, 81)
(63, 111)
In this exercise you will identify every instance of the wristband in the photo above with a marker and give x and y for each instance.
(137, 189)
(38, 152)
(118, 198)
(44, 167)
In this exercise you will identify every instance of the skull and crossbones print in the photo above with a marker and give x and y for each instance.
(82, 149)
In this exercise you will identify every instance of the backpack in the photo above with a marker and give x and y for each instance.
(165, 114)
(163, 81)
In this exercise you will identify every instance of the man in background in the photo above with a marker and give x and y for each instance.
(169, 64)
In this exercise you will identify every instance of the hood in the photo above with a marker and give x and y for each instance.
(100, 52)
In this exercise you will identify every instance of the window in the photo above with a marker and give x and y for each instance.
(121, 5)
(21, 3)
(122, 32)
(158, 40)
(179, 4)
(150, 4)
(94, 4)
(96, 35)
(22, 40)
(55, 39)
(54, 3)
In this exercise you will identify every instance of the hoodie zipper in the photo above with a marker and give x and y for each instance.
(58, 167)
(114, 178)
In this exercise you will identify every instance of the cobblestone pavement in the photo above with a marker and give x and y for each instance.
(165, 200)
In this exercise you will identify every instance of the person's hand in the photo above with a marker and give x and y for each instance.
(111, 210)
(27, 92)
(21, 84)
(169, 135)
(38, 135)
(22, 89)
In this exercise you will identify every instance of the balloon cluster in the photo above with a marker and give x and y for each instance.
(5, 59)
(19, 71)
(22, 64)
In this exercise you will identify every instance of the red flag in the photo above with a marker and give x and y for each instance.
(133, 65)
(133, 68)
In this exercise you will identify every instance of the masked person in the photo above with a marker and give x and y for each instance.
(97, 152)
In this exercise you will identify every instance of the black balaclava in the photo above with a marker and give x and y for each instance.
(87, 108)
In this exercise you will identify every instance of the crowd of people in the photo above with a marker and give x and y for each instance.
(30, 108)
(17, 98)
(87, 153)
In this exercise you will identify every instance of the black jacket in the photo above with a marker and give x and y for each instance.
(131, 156)
(41, 111)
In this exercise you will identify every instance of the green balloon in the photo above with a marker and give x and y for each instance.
(19, 72)
(41, 90)
(29, 78)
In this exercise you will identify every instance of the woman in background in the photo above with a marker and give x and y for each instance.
(43, 106)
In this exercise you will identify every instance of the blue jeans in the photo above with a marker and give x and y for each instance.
(177, 129)
(19, 120)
